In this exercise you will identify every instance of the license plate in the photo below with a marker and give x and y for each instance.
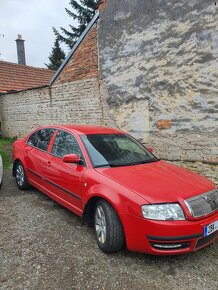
(211, 228)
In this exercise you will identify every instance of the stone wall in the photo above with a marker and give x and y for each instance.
(159, 60)
(23, 111)
(74, 102)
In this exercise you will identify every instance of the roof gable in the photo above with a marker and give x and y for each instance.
(73, 50)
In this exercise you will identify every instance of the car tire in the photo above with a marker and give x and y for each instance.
(108, 228)
(20, 177)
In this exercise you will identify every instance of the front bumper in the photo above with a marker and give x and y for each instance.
(166, 237)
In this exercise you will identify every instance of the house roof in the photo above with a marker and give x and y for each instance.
(18, 77)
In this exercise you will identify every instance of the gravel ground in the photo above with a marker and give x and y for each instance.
(44, 246)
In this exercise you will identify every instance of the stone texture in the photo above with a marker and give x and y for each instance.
(163, 54)
(192, 146)
(73, 102)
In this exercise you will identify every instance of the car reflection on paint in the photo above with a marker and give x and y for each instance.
(116, 184)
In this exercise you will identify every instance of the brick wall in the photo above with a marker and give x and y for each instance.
(84, 63)
(102, 5)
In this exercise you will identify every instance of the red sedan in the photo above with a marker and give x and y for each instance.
(112, 181)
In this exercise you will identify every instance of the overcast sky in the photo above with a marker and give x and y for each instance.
(33, 19)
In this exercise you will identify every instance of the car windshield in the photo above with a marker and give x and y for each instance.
(114, 150)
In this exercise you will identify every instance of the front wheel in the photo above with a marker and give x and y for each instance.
(108, 228)
(20, 176)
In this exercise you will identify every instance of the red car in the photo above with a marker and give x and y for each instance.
(112, 181)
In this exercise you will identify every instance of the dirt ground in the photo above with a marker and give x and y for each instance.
(44, 246)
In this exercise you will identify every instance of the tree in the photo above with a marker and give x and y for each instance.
(56, 56)
(84, 11)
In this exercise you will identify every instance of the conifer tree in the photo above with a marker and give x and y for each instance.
(83, 12)
(56, 57)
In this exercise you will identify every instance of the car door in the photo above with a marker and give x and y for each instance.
(36, 155)
(63, 179)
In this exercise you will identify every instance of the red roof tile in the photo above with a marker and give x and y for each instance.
(18, 77)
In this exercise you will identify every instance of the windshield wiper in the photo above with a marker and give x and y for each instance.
(148, 161)
(126, 164)
(136, 163)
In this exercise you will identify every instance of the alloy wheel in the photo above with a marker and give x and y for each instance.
(100, 224)
(20, 175)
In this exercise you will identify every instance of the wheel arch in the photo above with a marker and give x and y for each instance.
(88, 212)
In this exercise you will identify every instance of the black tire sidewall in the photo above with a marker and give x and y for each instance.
(114, 229)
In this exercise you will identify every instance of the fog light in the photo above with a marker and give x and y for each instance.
(167, 246)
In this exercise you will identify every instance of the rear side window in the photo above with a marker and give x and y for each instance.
(41, 139)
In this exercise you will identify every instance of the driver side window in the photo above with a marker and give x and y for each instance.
(65, 143)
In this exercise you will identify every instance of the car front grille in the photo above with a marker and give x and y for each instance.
(203, 204)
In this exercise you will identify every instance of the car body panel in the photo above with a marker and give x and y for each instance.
(159, 182)
(65, 179)
(170, 232)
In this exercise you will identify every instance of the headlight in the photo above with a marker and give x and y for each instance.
(163, 212)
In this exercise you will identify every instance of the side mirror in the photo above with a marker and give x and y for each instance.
(150, 149)
(71, 158)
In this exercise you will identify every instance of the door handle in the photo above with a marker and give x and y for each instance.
(49, 163)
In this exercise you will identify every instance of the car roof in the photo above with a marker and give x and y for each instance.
(86, 129)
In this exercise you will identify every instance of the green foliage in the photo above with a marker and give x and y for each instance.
(5, 151)
(83, 12)
(56, 56)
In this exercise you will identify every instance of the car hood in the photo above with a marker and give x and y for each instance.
(159, 181)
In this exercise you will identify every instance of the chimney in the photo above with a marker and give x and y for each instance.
(20, 50)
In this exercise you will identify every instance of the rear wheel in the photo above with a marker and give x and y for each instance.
(20, 176)
(108, 228)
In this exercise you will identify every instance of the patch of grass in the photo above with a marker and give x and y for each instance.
(6, 151)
